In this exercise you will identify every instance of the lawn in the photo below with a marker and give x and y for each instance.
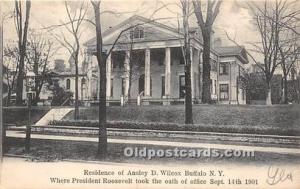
(276, 118)
(19, 115)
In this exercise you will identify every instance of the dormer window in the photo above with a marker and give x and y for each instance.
(137, 33)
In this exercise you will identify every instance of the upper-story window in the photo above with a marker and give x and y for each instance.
(137, 33)
(213, 65)
(83, 81)
(224, 68)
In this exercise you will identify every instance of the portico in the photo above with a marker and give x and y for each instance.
(153, 76)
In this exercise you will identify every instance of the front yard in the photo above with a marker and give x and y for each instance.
(19, 115)
(280, 115)
(277, 119)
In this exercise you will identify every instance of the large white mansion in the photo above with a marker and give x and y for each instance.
(148, 59)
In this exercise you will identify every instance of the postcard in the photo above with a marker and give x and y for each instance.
(150, 94)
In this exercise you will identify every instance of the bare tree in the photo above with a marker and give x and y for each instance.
(187, 59)
(73, 27)
(22, 41)
(39, 51)
(134, 66)
(206, 24)
(11, 59)
(129, 67)
(271, 19)
(101, 60)
(295, 84)
(289, 52)
(288, 57)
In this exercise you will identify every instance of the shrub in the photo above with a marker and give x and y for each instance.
(178, 127)
(60, 95)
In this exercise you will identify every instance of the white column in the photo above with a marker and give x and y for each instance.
(200, 73)
(108, 76)
(167, 72)
(192, 72)
(127, 70)
(147, 73)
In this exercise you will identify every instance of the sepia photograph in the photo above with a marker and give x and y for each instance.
(150, 94)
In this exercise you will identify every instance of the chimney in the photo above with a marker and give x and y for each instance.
(59, 65)
(217, 42)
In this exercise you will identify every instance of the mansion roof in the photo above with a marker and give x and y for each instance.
(237, 51)
(54, 73)
(154, 31)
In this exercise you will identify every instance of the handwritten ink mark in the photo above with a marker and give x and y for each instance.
(276, 175)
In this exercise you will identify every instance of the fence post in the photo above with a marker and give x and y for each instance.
(28, 127)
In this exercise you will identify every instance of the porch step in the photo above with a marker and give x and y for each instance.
(53, 114)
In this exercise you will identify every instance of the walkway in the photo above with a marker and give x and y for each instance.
(54, 114)
(279, 150)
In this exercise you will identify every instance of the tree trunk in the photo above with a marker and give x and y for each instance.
(36, 83)
(19, 86)
(8, 97)
(188, 89)
(76, 114)
(206, 96)
(102, 147)
(38, 89)
(298, 90)
(285, 90)
(36, 100)
(269, 94)
(22, 49)
(199, 78)
(129, 86)
(187, 54)
(188, 85)
(130, 70)
(102, 140)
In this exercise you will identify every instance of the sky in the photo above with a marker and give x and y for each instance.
(233, 18)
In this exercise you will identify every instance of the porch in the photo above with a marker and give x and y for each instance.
(151, 76)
